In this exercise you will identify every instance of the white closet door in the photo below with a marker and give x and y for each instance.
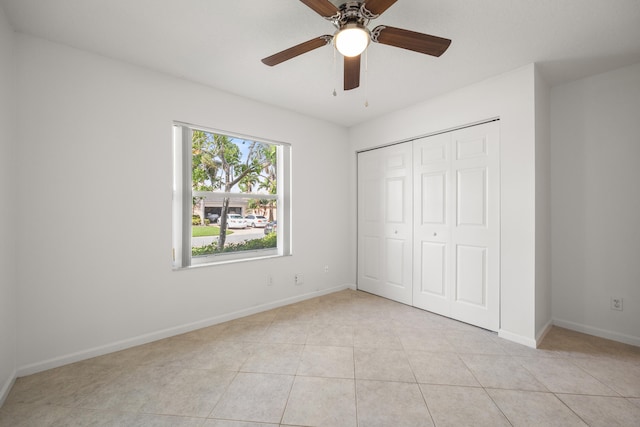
(432, 223)
(385, 222)
(457, 225)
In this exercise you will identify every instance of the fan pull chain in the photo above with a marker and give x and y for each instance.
(335, 73)
(366, 78)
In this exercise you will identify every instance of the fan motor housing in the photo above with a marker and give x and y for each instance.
(352, 12)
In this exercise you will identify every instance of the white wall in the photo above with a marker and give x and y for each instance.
(95, 207)
(595, 152)
(543, 208)
(8, 235)
(511, 98)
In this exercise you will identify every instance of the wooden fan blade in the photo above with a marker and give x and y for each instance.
(351, 72)
(322, 7)
(296, 50)
(378, 6)
(417, 42)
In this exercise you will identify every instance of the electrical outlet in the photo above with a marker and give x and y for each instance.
(269, 280)
(326, 268)
(299, 279)
(616, 303)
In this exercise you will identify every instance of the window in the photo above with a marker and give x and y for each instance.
(229, 193)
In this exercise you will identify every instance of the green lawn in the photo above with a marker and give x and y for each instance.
(203, 230)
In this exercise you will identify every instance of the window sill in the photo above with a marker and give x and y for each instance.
(230, 258)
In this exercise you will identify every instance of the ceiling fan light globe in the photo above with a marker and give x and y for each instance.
(352, 40)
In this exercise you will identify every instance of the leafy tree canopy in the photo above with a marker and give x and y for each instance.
(220, 164)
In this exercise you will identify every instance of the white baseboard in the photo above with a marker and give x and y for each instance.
(602, 333)
(543, 333)
(519, 339)
(6, 387)
(166, 333)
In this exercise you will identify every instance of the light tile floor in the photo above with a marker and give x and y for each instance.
(345, 359)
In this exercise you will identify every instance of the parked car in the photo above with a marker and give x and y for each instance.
(256, 221)
(235, 221)
(212, 217)
(271, 227)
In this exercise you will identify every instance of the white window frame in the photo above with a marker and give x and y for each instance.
(183, 196)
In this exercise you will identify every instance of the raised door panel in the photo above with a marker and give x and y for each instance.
(370, 195)
(395, 262)
(371, 257)
(470, 145)
(471, 275)
(433, 269)
(434, 198)
(472, 197)
(394, 200)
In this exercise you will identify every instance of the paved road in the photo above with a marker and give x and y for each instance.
(238, 236)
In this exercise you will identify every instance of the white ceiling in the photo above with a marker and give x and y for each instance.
(220, 44)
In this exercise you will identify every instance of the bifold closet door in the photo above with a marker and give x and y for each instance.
(456, 249)
(385, 222)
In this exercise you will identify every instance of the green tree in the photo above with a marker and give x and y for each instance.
(204, 173)
(270, 175)
(218, 165)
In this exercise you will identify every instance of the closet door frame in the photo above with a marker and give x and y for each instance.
(448, 256)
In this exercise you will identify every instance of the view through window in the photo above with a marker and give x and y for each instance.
(228, 197)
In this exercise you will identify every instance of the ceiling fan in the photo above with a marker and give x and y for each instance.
(352, 35)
